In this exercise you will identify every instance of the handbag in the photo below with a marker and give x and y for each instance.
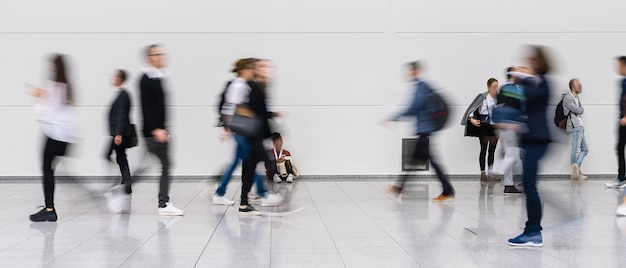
(245, 123)
(129, 138)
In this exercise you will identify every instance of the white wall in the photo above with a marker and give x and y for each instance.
(339, 71)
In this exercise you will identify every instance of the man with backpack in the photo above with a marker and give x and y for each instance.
(574, 110)
(430, 111)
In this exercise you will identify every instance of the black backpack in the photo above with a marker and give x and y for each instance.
(221, 102)
(441, 110)
(560, 119)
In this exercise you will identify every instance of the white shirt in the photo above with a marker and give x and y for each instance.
(238, 92)
(487, 107)
(55, 116)
(153, 73)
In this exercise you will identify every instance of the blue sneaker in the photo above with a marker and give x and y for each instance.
(533, 240)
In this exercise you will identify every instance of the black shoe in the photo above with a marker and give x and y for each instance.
(248, 210)
(44, 215)
(512, 190)
(128, 189)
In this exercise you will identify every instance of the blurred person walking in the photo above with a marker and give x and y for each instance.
(422, 107)
(124, 136)
(509, 119)
(620, 181)
(153, 108)
(535, 140)
(57, 120)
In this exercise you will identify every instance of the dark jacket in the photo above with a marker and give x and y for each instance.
(537, 91)
(622, 100)
(470, 129)
(421, 108)
(258, 104)
(152, 104)
(119, 119)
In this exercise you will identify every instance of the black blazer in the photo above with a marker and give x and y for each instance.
(119, 119)
(152, 104)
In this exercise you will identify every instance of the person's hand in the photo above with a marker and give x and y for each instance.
(118, 139)
(225, 134)
(278, 114)
(475, 122)
(37, 92)
(622, 121)
(161, 135)
(280, 160)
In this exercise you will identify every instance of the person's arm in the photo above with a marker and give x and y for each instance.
(235, 94)
(417, 103)
(149, 105)
(569, 105)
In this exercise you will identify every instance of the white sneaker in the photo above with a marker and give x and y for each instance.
(271, 200)
(277, 178)
(575, 172)
(170, 210)
(222, 200)
(290, 178)
(621, 210)
(615, 184)
(118, 201)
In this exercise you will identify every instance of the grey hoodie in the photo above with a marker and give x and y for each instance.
(570, 109)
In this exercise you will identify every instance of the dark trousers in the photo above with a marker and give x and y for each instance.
(257, 154)
(488, 142)
(532, 154)
(423, 152)
(161, 151)
(288, 167)
(621, 162)
(122, 162)
(52, 149)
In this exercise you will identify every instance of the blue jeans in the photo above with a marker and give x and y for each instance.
(579, 146)
(532, 154)
(241, 153)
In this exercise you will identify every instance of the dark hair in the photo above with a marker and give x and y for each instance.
(121, 74)
(60, 69)
(149, 48)
(621, 59)
(539, 55)
(414, 65)
(276, 136)
(508, 70)
(571, 83)
(491, 81)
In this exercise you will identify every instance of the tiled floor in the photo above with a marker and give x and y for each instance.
(341, 224)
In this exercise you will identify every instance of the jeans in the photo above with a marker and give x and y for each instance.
(533, 152)
(510, 140)
(579, 146)
(241, 153)
(52, 149)
(161, 151)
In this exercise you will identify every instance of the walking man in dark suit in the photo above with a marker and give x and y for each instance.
(153, 100)
(121, 131)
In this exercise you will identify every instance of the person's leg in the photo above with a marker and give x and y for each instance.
(533, 153)
(289, 167)
(160, 150)
(621, 142)
(448, 190)
(511, 154)
(493, 142)
(249, 166)
(483, 153)
(241, 152)
(584, 149)
(49, 154)
(122, 162)
(261, 190)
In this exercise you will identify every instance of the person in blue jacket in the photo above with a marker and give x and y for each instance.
(422, 107)
(535, 139)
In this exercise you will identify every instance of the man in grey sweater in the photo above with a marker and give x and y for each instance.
(574, 110)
